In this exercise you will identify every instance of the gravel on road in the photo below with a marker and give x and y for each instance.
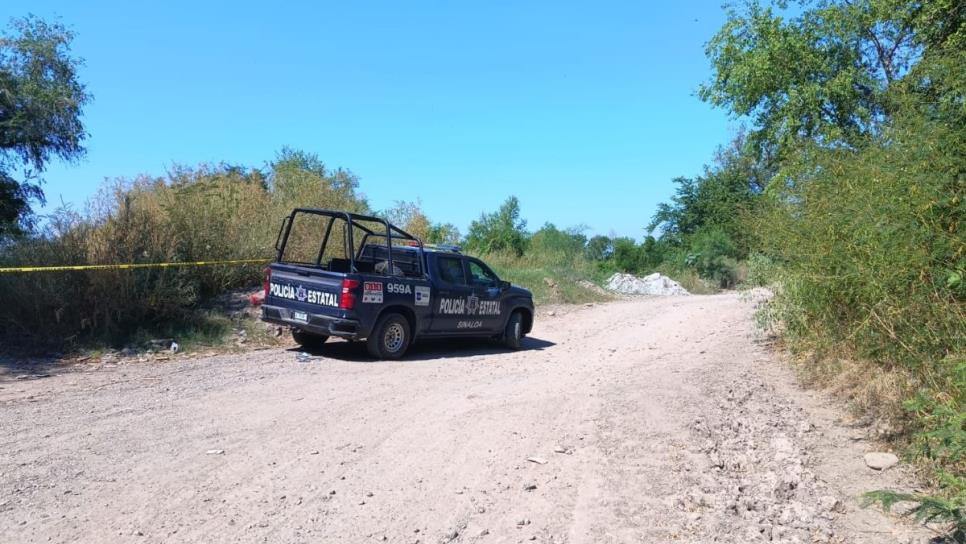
(646, 420)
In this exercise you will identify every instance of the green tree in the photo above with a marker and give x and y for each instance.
(599, 248)
(444, 233)
(822, 75)
(712, 253)
(627, 255)
(502, 230)
(653, 253)
(409, 216)
(300, 178)
(550, 239)
(41, 101)
(719, 198)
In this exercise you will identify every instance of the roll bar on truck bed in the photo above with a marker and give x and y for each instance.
(353, 221)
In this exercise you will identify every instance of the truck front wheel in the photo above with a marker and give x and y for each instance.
(390, 338)
(308, 340)
(514, 331)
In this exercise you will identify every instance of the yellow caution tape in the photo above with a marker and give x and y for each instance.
(124, 266)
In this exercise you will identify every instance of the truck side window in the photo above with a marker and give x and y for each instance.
(480, 275)
(451, 270)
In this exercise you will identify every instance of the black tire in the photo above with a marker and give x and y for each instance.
(308, 340)
(513, 334)
(390, 338)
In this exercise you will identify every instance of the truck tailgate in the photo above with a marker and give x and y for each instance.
(305, 289)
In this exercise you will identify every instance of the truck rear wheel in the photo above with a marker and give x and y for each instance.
(514, 331)
(308, 340)
(390, 338)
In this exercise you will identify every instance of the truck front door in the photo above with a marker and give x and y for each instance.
(486, 303)
(454, 292)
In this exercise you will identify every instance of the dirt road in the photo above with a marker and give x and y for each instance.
(655, 420)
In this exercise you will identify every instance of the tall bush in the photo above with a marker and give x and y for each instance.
(500, 231)
(202, 214)
(713, 254)
(872, 257)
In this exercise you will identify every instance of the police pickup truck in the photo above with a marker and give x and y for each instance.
(361, 278)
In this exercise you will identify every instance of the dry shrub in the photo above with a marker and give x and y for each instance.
(870, 260)
(866, 386)
(202, 214)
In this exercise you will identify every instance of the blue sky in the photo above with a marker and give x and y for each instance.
(585, 111)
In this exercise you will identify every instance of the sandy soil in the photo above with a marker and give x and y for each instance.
(652, 420)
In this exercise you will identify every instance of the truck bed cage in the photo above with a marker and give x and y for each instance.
(391, 233)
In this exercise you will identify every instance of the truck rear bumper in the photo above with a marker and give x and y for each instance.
(316, 324)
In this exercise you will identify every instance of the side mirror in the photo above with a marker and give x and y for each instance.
(504, 285)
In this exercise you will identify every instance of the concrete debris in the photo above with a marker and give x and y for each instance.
(654, 284)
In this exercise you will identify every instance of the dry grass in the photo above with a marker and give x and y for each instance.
(865, 386)
(554, 278)
(204, 214)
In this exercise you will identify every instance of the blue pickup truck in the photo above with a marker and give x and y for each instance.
(359, 277)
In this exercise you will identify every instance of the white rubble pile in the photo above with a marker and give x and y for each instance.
(654, 284)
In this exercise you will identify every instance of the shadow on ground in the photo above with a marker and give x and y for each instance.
(28, 367)
(424, 350)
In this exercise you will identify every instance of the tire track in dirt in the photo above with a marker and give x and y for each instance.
(655, 420)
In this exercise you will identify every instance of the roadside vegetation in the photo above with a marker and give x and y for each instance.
(857, 115)
(845, 195)
(203, 214)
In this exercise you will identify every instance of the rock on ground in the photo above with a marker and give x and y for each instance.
(878, 460)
